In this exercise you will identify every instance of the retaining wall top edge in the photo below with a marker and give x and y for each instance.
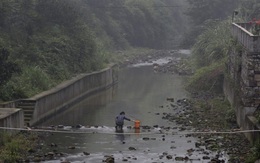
(243, 29)
(5, 112)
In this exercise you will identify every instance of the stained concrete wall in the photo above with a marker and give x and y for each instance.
(67, 94)
(242, 84)
(9, 104)
(11, 118)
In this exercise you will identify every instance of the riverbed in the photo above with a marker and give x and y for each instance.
(87, 132)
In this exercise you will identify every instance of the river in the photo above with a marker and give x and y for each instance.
(142, 94)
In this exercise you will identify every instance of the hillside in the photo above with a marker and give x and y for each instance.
(46, 42)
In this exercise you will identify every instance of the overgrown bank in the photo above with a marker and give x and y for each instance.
(43, 43)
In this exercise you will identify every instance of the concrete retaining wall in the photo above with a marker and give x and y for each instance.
(251, 123)
(242, 83)
(59, 98)
(11, 117)
(10, 104)
(67, 94)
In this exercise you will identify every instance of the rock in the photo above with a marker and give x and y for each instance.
(197, 145)
(53, 145)
(190, 150)
(173, 147)
(146, 127)
(78, 126)
(169, 157)
(109, 159)
(124, 160)
(170, 99)
(50, 154)
(161, 156)
(179, 158)
(146, 138)
(132, 148)
(205, 157)
(86, 153)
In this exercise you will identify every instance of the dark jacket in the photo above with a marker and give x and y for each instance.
(120, 120)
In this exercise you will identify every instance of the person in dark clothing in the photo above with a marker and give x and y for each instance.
(120, 121)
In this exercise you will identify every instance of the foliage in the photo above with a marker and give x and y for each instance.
(200, 12)
(213, 44)
(138, 23)
(254, 153)
(209, 55)
(14, 148)
(249, 9)
(7, 68)
(208, 78)
(58, 39)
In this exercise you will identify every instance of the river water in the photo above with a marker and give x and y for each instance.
(142, 94)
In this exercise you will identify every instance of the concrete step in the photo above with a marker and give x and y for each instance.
(28, 108)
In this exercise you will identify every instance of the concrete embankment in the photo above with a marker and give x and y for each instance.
(40, 107)
(242, 80)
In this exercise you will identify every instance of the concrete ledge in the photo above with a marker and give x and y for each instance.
(61, 97)
(11, 117)
(57, 99)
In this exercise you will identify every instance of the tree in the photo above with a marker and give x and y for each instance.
(249, 9)
(7, 68)
(202, 10)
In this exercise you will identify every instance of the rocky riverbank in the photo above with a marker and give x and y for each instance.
(209, 115)
(202, 113)
(214, 128)
(205, 112)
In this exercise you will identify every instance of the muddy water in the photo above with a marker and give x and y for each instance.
(142, 94)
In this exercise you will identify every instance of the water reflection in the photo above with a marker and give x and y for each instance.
(140, 93)
(84, 113)
(120, 136)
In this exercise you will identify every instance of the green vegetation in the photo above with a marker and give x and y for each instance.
(254, 153)
(200, 12)
(47, 42)
(210, 54)
(14, 148)
(212, 46)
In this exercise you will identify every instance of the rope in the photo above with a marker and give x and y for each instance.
(132, 133)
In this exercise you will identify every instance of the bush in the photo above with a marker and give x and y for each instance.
(207, 78)
(14, 148)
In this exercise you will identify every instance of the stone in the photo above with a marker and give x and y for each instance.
(205, 157)
(109, 159)
(257, 77)
(146, 138)
(132, 148)
(169, 157)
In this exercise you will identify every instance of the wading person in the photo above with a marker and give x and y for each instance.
(120, 121)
